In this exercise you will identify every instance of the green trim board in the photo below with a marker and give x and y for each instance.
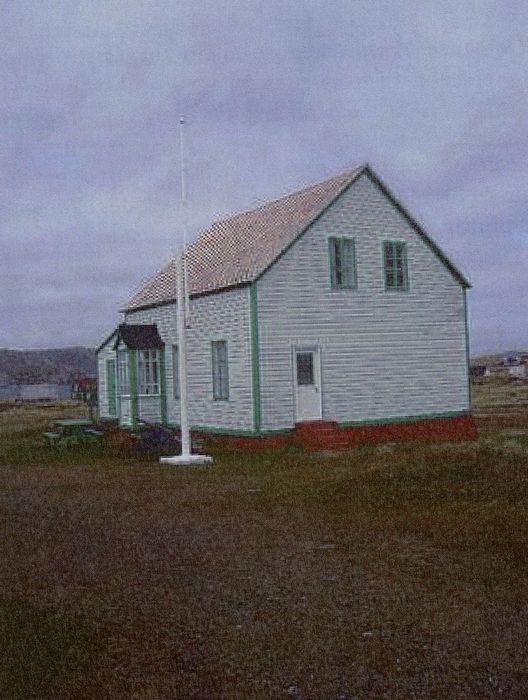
(111, 387)
(192, 295)
(255, 356)
(133, 385)
(163, 387)
(468, 359)
(240, 433)
(346, 424)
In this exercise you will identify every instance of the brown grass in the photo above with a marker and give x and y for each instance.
(388, 572)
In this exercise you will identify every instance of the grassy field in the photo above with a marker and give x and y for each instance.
(397, 571)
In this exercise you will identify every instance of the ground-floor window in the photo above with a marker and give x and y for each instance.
(220, 370)
(148, 372)
(176, 371)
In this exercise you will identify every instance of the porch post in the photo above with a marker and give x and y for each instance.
(133, 386)
(163, 386)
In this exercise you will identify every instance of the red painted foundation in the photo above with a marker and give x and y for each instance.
(327, 435)
(251, 444)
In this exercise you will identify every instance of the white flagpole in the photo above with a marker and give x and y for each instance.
(182, 357)
(185, 212)
(182, 306)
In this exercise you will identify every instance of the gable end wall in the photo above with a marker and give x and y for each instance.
(384, 354)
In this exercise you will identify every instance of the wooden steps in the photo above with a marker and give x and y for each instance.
(320, 435)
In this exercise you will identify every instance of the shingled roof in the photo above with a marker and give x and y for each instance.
(239, 249)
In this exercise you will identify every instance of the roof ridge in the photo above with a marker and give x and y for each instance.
(352, 172)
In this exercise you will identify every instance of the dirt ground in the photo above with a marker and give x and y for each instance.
(397, 571)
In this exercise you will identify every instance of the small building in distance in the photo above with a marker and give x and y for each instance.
(480, 371)
(512, 359)
(516, 364)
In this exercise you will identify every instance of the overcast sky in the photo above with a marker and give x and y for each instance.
(277, 94)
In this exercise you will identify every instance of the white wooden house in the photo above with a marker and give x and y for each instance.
(330, 306)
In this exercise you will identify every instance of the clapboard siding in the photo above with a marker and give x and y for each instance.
(149, 408)
(384, 354)
(223, 316)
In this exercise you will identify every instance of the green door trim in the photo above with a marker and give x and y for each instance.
(133, 386)
(111, 387)
(163, 387)
(468, 359)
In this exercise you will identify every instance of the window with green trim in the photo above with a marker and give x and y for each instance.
(176, 371)
(342, 254)
(123, 386)
(148, 370)
(111, 387)
(220, 370)
(395, 265)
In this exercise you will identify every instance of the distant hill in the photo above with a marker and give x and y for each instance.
(38, 366)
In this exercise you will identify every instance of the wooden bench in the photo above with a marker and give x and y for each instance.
(67, 438)
(93, 432)
(52, 438)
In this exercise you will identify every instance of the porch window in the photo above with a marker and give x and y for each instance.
(395, 265)
(342, 253)
(176, 371)
(220, 370)
(122, 373)
(148, 372)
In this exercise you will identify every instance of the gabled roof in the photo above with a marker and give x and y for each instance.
(138, 336)
(238, 250)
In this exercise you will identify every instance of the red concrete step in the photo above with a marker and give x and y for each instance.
(320, 435)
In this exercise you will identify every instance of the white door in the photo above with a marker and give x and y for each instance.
(125, 412)
(307, 382)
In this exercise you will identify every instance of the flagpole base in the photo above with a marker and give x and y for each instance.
(186, 460)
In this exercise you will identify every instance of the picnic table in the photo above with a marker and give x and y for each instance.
(70, 431)
(73, 425)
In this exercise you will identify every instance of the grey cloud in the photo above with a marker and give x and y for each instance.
(277, 95)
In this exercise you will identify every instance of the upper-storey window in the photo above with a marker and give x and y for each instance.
(395, 265)
(342, 252)
(148, 370)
